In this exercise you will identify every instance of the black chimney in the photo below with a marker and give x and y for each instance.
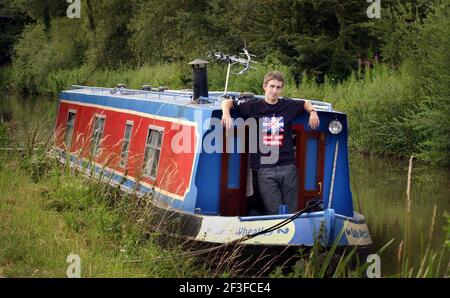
(200, 78)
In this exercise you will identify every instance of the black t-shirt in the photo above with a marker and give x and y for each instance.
(275, 126)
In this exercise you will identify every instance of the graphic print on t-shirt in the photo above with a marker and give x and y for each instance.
(273, 128)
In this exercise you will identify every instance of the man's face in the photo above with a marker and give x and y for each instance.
(273, 89)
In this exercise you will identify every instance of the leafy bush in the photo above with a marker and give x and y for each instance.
(38, 53)
(429, 65)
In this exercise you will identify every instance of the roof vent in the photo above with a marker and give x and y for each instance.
(200, 75)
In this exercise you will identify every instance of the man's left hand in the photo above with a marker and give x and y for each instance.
(313, 120)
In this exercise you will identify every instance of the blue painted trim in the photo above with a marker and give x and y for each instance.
(147, 106)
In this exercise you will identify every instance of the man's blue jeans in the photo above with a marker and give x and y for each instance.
(279, 186)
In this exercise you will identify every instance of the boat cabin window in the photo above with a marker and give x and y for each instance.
(126, 143)
(69, 128)
(152, 151)
(97, 134)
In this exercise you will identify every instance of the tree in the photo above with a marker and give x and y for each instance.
(12, 22)
(326, 37)
(106, 27)
(172, 30)
(41, 10)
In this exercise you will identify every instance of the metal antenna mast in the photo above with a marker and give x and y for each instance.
(232, 59)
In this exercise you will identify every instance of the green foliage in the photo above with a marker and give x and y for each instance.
(399, 25)
(380, 113)
(5, 78)
(5, 138)
(36, 56)
(165, 32)
(11, 26)
(379, 106)
(319, 37)
(29, 71)
(418, 38)
(62, 79)
(326, 37)
(429, 64)
(40, 10)
(105, 25)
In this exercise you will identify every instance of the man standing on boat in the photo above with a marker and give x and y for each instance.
(278, 181)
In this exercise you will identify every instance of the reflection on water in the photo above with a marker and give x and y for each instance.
(32, 118)
(379, 185)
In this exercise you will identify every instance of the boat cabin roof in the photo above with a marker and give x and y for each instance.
(177, 97)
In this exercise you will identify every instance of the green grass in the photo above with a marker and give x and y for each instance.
(42, 223)
(48, 211)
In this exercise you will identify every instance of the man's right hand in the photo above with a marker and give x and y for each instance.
(227, 122)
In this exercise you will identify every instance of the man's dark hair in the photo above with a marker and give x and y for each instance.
(273, 75)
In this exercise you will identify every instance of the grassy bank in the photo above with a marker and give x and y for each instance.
(44, 218)
(48, 212)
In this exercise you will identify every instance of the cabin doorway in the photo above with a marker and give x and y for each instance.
(309, 152)
(235, 158)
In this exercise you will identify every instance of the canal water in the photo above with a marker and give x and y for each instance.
(378, 187)
(379, 191)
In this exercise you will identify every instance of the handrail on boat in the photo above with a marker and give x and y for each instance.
(178, 95)
(318, 105)
(133, 92)
(322, 106)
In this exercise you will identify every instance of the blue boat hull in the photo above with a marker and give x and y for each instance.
(324, 226)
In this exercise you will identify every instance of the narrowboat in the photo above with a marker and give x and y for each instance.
(153, 141)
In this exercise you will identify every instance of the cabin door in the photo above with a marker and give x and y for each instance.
(310, 152)
(234, 173)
